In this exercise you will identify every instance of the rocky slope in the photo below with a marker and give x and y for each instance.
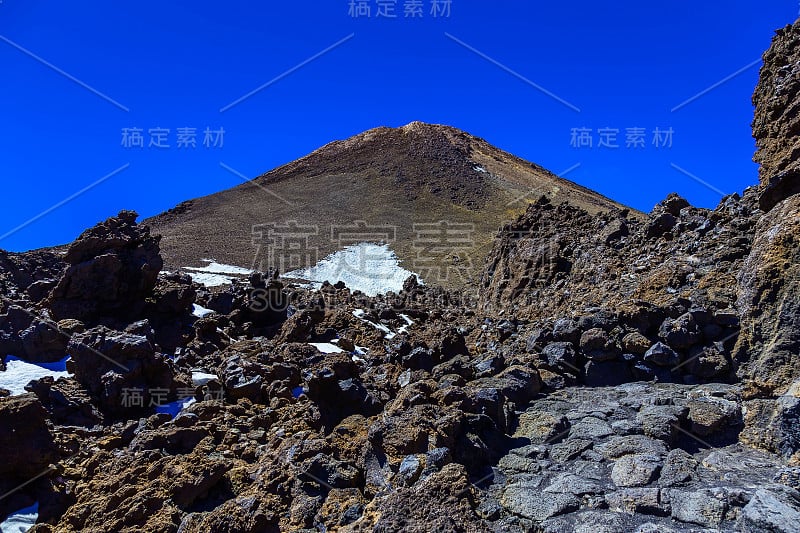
(397, 185)
(414, 411)
(607, 372)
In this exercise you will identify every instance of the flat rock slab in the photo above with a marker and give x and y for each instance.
(532, 503)
(636, 470)
(777, 511)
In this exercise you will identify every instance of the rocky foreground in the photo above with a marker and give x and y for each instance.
(606, 373)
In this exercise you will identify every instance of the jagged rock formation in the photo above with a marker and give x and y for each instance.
(29, 275)
(557, 259)
(106, 363)
(776, 125)
(113, 267)
(413, 411)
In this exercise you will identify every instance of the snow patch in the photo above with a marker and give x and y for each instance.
(367, 267)
(211, 280)
(480, 169)
(326, 347)
(19, 373)
(21, 521)
(216, 274)
(200, 311)
(357, 353)
(219, 268)
(409, 322)
(359, 313)
(201, 378)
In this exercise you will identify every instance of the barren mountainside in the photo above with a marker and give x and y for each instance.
(395, 182)
(600, 370)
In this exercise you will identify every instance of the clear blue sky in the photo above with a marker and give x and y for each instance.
(177, 64)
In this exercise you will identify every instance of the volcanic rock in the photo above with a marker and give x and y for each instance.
(776, 126)
(113, 268)
(112, 365)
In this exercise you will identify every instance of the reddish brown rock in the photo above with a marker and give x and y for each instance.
(776, 126)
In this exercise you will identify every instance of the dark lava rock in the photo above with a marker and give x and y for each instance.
(44, 342)
(112, 364)
(113, 268)
(662, 355)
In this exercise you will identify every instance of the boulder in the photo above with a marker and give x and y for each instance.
(44, 342)
(112, 268)
(662, 355)
(710, 361)
(561, 354)
(713, 416)
(662, 421)
(27, 448)
(776, 510)
(702, 507)
(113, 366)
(26, 444)
(673, 204)
(773, 424)
(529, 501)
(636, 343)
(636, 470)
(606, 373)
(517, 383)
(614, 231)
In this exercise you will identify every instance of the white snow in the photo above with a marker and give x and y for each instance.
(200, 311)
(211, 280)
(219, 268)
(409, 322)
(216, 274)
(326, 347)
(201, 378)
(173, 408)
(19, 373)
(480, 169)
(21, 521)
(359, 313)
(370, 268)
(356, 353)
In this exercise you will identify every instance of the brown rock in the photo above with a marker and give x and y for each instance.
(636, 343)
(113, 267)
(26, 444)
(769, 300)
(777, 122)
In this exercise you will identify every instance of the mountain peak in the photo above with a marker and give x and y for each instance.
(402, 178)
(425, 127)
(388, 134)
